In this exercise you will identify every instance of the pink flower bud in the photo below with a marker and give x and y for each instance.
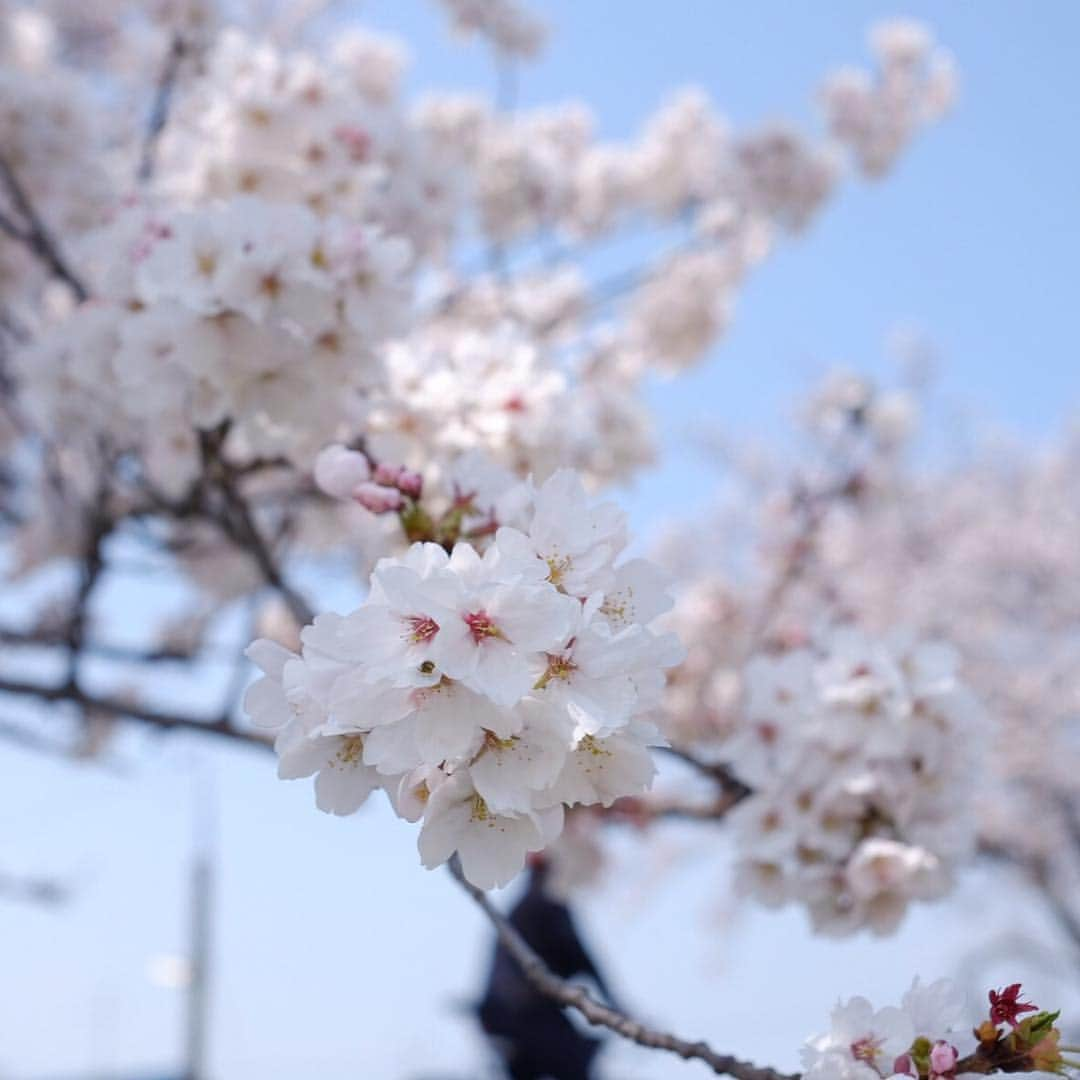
(378, 499)
(905, 1066)
(338, 471)
(943, 1058)
(410, 483)
(386, 474)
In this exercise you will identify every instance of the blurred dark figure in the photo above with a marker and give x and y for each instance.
(533, 1035)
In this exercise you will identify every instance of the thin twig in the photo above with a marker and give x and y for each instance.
(721, 773)
(98, 527)
(159, 113)
(572, 996)
(645, 812)
(34, 235)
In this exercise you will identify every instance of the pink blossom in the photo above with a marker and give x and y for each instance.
(943, 1059)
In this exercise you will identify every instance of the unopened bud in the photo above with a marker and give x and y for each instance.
(410, 483)
(339, 471)
(386, 474)
(904, 1066)
(943, 1059)
(377, 498)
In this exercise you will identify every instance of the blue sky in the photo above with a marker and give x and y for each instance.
(337, 955)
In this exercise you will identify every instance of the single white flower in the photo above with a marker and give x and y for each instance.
(492, 847)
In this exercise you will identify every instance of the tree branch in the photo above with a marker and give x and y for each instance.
(231, 514)
(571, 996)
(243, 529)
(159, 113)
(34, 235)
(54, 639)
(730, 785)
(118, 707)
(641, 812)
(92, 566)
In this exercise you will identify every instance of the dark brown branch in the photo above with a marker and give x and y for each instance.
(643, 812)
(91, 569)
(731, 786)
(52, 639)
(572, 996)
(231, 513)
(159, 112)
(34, 234)
(241, 526)
(119, 707)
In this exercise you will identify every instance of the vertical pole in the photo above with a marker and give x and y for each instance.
(201, 935)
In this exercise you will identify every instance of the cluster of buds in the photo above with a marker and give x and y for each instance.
(1008, 1043)
(468, 502)
(920, 1039)
(380, 488)
(935, 1060)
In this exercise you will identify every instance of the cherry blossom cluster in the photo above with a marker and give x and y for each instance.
(805, 560)
(330, 132)
(929, 1037)
(366, 210)
(876, 117)
(510, 26)
(498, 391)
(979, 551)
(484, 691)
(858, 754)
(257, 313)
(327, 132)
(983, 554)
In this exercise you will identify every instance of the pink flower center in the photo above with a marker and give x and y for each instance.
(481, 626)
(866, 1049)
(356, 140)
(422, 628)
